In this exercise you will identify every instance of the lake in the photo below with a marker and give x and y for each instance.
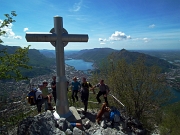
(79, 64)
(177, 95)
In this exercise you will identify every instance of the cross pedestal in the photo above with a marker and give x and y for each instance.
(59, 38)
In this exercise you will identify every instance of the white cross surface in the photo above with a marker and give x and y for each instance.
(59, 38)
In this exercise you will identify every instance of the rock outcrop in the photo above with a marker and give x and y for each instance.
(45, 124)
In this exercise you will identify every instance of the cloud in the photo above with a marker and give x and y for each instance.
(26, 29)
(151, 26)
(102, 43)
(17, 37)
(146, 40)
(100, 39)
(119, 36)
(9, 32)
(135, 39)
(142, 39)
(77, 6)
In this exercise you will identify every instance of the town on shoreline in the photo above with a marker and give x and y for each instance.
(13, 94)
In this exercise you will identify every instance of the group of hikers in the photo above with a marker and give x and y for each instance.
(44, 94)
(84, 88)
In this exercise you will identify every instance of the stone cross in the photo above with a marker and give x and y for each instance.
(59, 38)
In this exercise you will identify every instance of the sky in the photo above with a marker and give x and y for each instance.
(116, 24)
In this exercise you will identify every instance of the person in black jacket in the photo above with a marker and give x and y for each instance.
(85, 93)
(53, 86)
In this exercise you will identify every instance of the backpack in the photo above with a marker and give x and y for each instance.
(115, 115)
(31, 97)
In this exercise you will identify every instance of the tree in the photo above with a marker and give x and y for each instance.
(171, 120)
(140, 88)
(12, 64)
(6, 22)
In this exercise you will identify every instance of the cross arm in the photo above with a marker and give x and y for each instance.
(40, 37)
(75, 38)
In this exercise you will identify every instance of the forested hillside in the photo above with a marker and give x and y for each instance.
(130, 57)
(48, 53)
(98, 54)
(40, 63)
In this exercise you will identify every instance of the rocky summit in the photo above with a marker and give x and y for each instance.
(46, 124)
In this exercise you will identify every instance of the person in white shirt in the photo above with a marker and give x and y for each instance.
(40, 99)
(103, 90)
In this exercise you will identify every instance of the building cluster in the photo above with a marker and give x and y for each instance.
(173, 78)
(13, 94)
(70, 72)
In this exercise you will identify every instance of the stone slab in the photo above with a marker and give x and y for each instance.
(73, 117)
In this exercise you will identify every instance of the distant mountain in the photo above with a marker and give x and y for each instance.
(48, 53)
(169, 55)
(38, 59)
(130, 57)
(40, 63)
(98, 54)
(51, 53)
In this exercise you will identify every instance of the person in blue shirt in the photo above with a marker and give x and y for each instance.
(75, 88)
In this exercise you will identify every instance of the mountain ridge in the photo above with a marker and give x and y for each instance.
(40, 63)
(98, 54)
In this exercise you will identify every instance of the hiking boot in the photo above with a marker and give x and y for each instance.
(50, 107)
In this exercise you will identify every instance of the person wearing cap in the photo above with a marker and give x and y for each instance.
(103, 90)
(46, 94)
(85, 93)
(40, 99)
(75, 88)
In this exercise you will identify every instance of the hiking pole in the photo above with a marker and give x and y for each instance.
(124, 108)
(117, 100)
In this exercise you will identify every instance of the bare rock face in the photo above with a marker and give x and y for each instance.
(45, 124)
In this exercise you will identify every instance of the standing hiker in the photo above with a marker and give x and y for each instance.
(45, 93)
(85, 93)
(103, 90)
(75, 88)
(53, 87)
(41, 99)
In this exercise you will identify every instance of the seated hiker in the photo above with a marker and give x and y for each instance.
(46, 94)
(75, 88)
(103, 90)
(85, 93)
(101, 112)
(114, 115)
(40, 99)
